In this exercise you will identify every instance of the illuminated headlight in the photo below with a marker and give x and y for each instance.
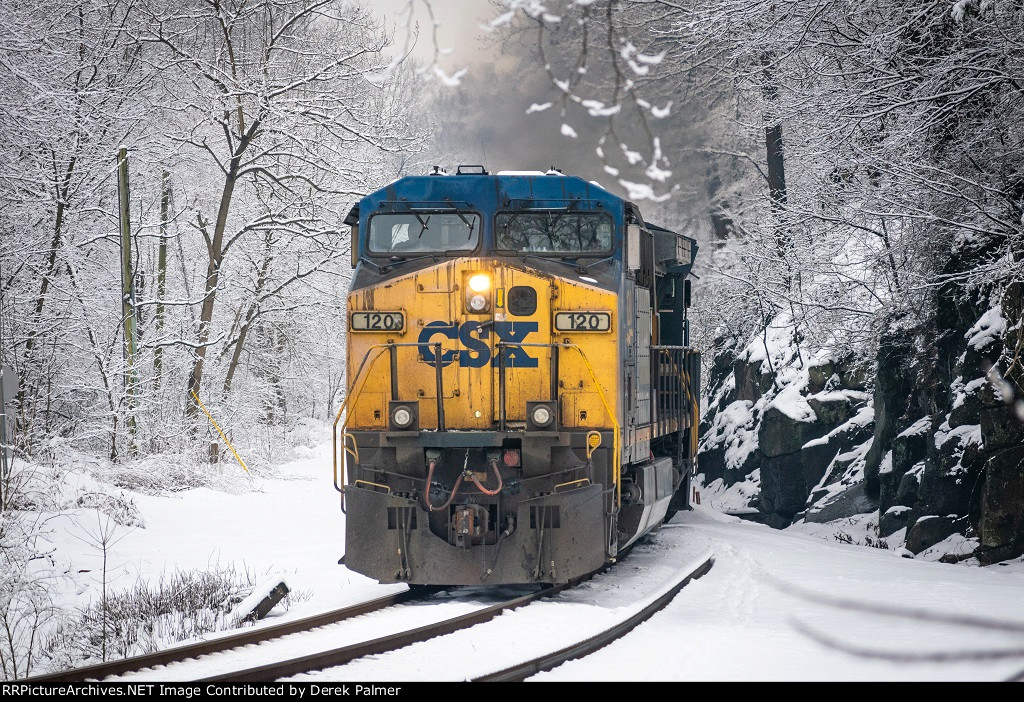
(480, 282)
(541, 416)
(478, 292)
(478, 303)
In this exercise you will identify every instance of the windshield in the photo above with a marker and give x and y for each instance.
(423, 232)
(554, 231)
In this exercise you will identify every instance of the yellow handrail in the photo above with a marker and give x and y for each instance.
(349, 397)
(377, 485)
(695, 420)
(571, 482)
(354, 451)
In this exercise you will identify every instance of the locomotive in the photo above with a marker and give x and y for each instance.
(522, 399)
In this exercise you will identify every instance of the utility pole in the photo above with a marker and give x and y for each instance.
(127, 292)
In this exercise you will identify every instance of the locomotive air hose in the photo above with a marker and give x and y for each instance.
(494, 464)
(426, 490)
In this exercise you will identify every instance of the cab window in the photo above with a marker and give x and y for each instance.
(423, 232)
(554, 231)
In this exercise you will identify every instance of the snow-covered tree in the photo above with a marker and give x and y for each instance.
(251, 128)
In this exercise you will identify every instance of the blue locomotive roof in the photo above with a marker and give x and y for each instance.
(495, 192)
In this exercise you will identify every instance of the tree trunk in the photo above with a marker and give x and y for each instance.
(215, 248)
(215, 259)
(131, 385)
(250, 317)
(61, 193)
(161, 273)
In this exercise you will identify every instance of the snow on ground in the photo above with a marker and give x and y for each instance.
(290, 525)
(745, 620)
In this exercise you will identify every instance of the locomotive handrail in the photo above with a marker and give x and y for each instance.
(694, 404)
(378, 485)
(615, 423)
(351, 397)
(571, 482)
(352, 393)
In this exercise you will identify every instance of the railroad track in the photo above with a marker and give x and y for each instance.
(542, 634)
(338, 656)
(647, 609)
(226, 643)
(342, 655)
(546, 661)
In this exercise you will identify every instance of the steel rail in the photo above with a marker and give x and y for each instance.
(345, 654)
(521, 671)
(225, 643)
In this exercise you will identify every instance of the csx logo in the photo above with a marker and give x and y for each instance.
(477, 353)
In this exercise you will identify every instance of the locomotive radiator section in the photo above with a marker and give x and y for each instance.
(480, 446)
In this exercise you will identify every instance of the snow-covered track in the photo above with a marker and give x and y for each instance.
(226, 643)
(383, 644)
(656, 603)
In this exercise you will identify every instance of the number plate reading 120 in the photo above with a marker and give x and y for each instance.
(583, 321)
(377, 321)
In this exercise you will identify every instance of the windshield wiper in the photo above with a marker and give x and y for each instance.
(567, 260)
(423, 223)
(515, 214)
(571, 261)
(561, 213)
(584, 269)
(380, 269)
(461, 216)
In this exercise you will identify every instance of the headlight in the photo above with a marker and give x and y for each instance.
(480, 282)
(478, 303)
(541, 416)
(478, 292)
(404, 415)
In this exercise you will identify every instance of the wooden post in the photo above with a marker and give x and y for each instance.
(260, 601)
(161, 272)
(127, 291)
